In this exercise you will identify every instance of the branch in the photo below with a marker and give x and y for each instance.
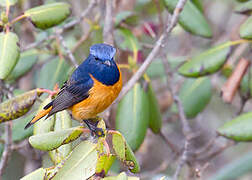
(159, 44)
(68, 51)
(108, 23)
(7, 147)
(8, 141)
(82, 16)
(64, 27)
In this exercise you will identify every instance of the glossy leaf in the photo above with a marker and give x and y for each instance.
(121, 176)
(245, 29)
(38, 174)
(55, 71)
(52, 140)
(25, 63)
(155, 121)
(207, 62)
(8, 2)
(246, 85)
(9, 53)
(238, 129)
(191, 19)
(44, 125)
(130, 42)
(63, 121)
(18, 132)
(81, 163)
(244, 8)
(195, 94)
(198, 4)
(18, 106)
(48, 15)
(104, 163)
(132, 116)
(124, 152)
(127, 17)
(242, 0)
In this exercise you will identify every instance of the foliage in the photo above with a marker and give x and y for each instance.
(172, 103)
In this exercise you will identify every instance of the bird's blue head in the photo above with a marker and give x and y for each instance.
(103, 52)
(100, 64)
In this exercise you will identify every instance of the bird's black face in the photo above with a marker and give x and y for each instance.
(103, 53)
(107, 62)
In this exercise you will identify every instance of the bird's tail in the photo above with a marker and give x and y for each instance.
(39, 115)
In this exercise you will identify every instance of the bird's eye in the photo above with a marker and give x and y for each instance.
(96, 58)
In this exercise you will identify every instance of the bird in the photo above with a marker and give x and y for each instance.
(91, 88)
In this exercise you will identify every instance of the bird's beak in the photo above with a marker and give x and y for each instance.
(107, 62)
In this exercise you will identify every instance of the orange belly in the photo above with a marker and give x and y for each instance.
(100, 97)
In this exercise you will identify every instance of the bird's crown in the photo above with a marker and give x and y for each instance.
(103, 51)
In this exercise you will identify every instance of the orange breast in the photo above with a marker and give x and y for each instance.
(100, 97)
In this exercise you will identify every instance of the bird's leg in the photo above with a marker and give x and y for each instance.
(93, 128)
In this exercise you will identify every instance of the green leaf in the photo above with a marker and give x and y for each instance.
(54, 139)
(124, 152)
(195, 94)
(25, 63)
(63, 121)
(244, 8)
(155, 121)
(38, 174)
(121, 176)
(18, 106)
(130, 42)
(55, 71)
(198, 4)
(238, 129)
(132, 117)
(81, 164)
(245, 29)
(207, 62)
(246, 85)
(8, 2)
(242, 0)
(44, 125)
(9, 53)
(49, 15)
(235, 169)
(18, 132)
(104, 163)
(127, 17)
(191, 19)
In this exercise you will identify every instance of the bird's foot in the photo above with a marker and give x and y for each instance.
(95, 131)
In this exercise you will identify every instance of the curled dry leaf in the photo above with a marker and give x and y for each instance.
(18, 106)
(231, 86)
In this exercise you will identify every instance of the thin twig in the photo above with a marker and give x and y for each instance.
(64, 27)
(185, 125)
(168, 142)
(83, 38)
(7, 147)
(68, 51)
(8, 139)
(182, 160)
(217, 151)
(208, 146)
(159, 44)
(108, 23)
(72, 23)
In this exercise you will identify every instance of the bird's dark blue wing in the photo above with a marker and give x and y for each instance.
(72, 92)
